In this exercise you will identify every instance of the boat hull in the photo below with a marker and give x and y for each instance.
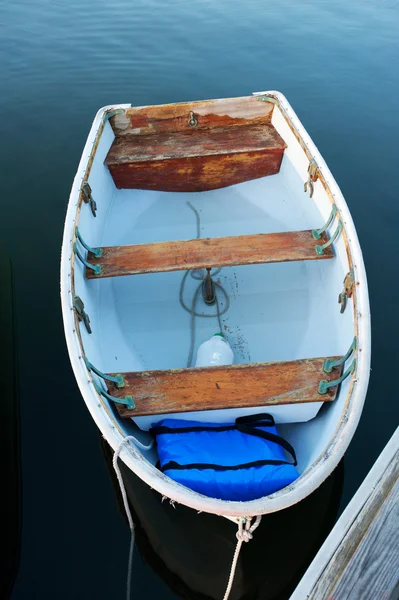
(334, 436)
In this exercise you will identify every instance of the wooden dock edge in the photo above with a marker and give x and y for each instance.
(360, 557)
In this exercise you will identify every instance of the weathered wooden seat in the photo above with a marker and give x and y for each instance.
(206, 252)
(235, 386)
(195, 159)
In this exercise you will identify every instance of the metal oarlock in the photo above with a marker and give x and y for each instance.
(313, 171)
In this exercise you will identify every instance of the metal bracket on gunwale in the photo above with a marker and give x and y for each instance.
(325, 385)
(347, 292)
(127, 400)
(96, 251)
(88, 198)
(320, 249)
(117, 379)
(313, 171)
(317, 233)
(330, 364)
(119, 382)
(111, 113)
(79, 307)
(267, 99)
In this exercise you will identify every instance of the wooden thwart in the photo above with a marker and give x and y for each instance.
(195, 159)
(210, 114)
(207, 252)
(190, 143)
(235, 386)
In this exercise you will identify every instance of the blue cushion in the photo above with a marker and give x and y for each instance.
(240, 462)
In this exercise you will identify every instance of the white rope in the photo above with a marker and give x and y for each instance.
(243, 535)
(124, 443)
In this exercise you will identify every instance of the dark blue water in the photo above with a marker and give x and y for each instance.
(59, 62)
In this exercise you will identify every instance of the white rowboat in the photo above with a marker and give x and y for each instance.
(286, 255)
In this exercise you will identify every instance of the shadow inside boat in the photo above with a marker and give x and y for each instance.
(193, 552)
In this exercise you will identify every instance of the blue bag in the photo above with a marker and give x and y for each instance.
(240, 462)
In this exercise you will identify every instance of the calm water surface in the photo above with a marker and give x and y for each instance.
(60, 61)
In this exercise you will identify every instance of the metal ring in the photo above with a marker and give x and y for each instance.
(192, 122)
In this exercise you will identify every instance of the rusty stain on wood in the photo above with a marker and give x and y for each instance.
(195, 160)
(196, 174)
(209, 113)
(192, 143)
(116, 261)
(235, 386)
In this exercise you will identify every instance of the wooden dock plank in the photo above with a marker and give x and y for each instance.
(367, 564)
(210, 388)
(360, 558)
(207, 252)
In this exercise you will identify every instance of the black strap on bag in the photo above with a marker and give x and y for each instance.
(247, 425)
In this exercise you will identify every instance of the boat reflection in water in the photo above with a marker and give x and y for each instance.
(193, 552)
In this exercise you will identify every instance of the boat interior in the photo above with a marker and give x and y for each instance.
(217, 197)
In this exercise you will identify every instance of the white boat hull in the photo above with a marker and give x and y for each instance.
(318, 328)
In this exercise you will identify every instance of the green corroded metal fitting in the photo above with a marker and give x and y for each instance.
(95, 268)
(88, 198)
(112, 113)
(127, 400)
(79, 307)
(325, 385)
(117, 379)
(331, 363)
(317, 233)
(267, 99)
(96, 251)
(320, 249)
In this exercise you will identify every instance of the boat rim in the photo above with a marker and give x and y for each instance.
(326, 462)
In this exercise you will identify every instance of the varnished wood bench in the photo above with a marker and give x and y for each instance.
(195, 159)
(235, 386)
(206, 252)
